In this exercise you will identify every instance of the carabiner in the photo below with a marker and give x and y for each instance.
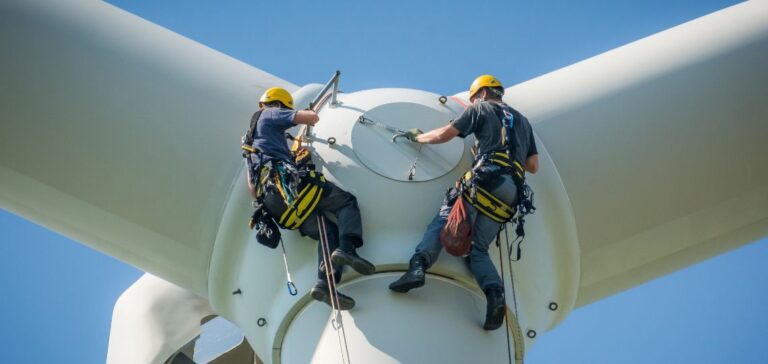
(292, 288)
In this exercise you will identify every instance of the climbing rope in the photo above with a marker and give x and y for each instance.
(336, 321)
(511, 277)
(518, 335)
(512, 323)
(504, 285)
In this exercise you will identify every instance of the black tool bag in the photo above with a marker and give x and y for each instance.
(267, 231)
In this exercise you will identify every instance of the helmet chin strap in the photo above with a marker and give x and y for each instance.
(480, 95)
(483, 94)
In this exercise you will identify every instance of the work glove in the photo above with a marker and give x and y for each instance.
(412, 134)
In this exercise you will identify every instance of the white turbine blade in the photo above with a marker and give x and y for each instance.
(152, 319)
(662, 146)
(119, 133)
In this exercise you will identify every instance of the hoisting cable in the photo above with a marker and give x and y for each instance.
(291, 286)
(336, 321)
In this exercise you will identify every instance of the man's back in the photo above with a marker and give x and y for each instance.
(483, 119)
(269, 135)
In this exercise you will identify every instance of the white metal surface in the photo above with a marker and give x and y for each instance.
(119, 133)
(152, 320)
(652, 158)
(661, 145)
(401, 159)
(426, 326)
(395, 214)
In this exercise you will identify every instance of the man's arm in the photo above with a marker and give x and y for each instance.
(306, 117)
(439, 135)
(532, 164)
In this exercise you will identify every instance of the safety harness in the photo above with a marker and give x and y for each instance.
(502, 158)
(291, 190)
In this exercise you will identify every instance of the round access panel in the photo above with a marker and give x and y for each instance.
(402, 159)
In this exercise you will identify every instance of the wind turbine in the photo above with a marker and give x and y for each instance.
(147, 178)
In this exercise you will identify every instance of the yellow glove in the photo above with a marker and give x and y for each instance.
(412, 134)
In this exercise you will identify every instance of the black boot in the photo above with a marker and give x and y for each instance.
(494, 315)
(360, 265)
(321, 293)
(413, 278)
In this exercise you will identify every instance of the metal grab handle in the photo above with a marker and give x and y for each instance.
(398, 135)
(334, 81)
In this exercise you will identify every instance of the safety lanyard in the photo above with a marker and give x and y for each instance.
(291, 286)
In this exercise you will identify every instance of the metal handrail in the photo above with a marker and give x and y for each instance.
(334, 81)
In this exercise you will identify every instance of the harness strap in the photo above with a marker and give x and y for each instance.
(248, 137)
(502, 159)
(485, 202)
(303, 206)
(298, 205)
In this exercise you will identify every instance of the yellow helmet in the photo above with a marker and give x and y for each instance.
(277, 94)
(483, 81)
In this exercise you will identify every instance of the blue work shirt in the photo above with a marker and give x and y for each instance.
(269, 136)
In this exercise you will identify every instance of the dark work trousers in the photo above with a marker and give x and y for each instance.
(345, 234)
(311, 229)
(483, 232)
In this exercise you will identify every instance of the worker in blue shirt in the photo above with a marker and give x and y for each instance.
(345, 236)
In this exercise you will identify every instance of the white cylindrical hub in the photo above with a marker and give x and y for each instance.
(396, 211)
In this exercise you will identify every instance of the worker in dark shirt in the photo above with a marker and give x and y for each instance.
(483, 118)
(344, 236)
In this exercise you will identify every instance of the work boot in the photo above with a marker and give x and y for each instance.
(494, 315)
(360, 265)
(320, 292)
(413, 278)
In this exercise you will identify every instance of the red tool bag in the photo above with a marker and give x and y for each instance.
(456, 236)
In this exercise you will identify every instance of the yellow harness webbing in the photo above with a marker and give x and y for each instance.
(502, 159)
(484, 201)
(488, 204)
(306, 202)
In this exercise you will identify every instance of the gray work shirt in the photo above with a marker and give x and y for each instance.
(269, 136)
(483, 120)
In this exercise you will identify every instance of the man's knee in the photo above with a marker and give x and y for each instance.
(340, 196)
(350, 200)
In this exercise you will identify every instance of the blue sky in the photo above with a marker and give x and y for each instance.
(57, 295)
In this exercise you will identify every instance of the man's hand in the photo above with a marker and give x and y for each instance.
(412, 134)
